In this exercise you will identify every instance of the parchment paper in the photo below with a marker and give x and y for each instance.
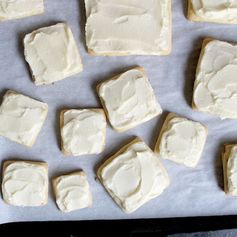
(193, 192)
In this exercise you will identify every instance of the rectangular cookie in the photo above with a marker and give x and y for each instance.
(128, 27)
(128, 99)
(83, 131)
(133, 176)
(25, 183)
(214, 88)
(214, 11)
(181, 140)
(15, 9)
(72, 191)
(229, 159)
(21, 118)
(52, 54)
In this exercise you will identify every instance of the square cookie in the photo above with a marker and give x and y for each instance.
(128, 27)
(133, 176)
(21, 118)
(181, 140)
(229, 159)
(72, 191)
(128, 99)
(15, 9)
(25, 183)
(215, 87)
(83, 131)
(223, 11)
(52, 54)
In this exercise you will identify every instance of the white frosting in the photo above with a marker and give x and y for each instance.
(183, 141)
(215, 89)
(216, 10)
(14, 9)
(129, 100)
(232, 171)
(25, 184)
(83, 132)
(52, 54)
(21, 118)
(73, 192)
(134, 177)
(128, 26)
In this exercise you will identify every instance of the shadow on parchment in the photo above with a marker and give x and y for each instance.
(82, 20)
(190, 70)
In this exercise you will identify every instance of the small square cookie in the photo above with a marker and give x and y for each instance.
(181, 140)
(128, 99)
(52, 54)
(25, 183)
(128, 27)
(21, 118)
(229, 159)
(72, 191)
(133, 176)
(15, 9)
(83, 131)
(215, 87)
(223, 11)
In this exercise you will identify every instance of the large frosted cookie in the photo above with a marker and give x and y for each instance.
(215, 87)
(128, 99)
(52, 54)
(21, 118)
(128, 27)
(133, 176)
(181, 140)
(25, 183)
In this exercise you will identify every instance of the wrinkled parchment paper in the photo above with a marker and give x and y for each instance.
(193, 192)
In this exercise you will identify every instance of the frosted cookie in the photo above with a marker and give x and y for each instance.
(181, 140)
(128, 27)
(83, 131)
(52, 54)
(221, 11)
(72, 191)
(133, 176)
(128, 99)
(25, 183)
(15, 9)
(21, 118)
(215, 87)
(229, 159)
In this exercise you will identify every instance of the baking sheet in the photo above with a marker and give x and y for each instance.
(193, 192)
